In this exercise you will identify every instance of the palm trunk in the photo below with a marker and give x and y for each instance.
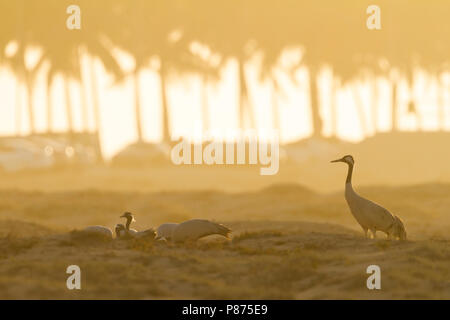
(96, 106)
(394, 107)
(314, 100)
(441, 105)
(165, 112)
(244, 102)
(360, 110)
(412, 105)
(205, 105)
(69, 116)
(49, 108)
(137, 106)
(95, 98)
(333, 106)
(30, 110)
(275, 108)
(20, 26)
(374, 105)
(84, 105)
(18, 108)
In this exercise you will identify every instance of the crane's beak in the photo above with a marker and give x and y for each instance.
(338, 160)
(122, 216)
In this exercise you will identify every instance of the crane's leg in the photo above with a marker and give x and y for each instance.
(374, 232)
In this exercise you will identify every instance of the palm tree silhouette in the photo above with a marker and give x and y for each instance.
(63, 49)
(18, 20)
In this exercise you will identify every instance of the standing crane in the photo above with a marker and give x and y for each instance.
(370, 215)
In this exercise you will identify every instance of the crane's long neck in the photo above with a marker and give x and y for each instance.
(129, 219)
(349, 174)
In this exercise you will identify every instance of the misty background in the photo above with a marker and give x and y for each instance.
(139, 75)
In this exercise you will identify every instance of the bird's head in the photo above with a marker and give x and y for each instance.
(128, 215)
(399, 228)
(348, 159)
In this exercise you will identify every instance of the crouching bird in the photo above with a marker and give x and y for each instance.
(125, 232)
(370, 215)
(100, 231)
(190, 230)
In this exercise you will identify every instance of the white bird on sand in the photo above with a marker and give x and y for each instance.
(165, 230)
(190, 230)
(99, 230)
(370, 215)
(125, 231)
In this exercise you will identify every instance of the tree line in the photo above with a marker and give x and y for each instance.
(331, 33)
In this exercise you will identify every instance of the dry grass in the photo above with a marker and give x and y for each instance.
(287, 242)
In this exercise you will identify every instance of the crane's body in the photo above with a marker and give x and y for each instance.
(165, 230)
(100, 230)
(125, 232)
(190, 230)
(368, 214)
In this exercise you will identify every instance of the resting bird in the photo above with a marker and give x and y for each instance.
(121, 231)
(130, 218)
(165, 230)
(190, 230)
(99, 230)
(126, 233)
(370, 215)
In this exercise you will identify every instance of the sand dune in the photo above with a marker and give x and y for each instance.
(287, 242)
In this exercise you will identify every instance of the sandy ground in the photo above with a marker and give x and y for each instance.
(287, 242)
